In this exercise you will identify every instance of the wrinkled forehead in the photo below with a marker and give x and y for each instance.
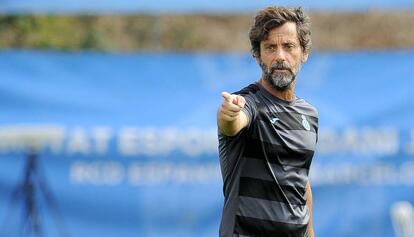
(282, 33)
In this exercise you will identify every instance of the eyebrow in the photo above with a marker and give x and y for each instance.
(284, 42)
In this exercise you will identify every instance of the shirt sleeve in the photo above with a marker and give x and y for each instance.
(249, 109)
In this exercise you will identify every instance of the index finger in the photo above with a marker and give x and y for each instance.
(227, 96)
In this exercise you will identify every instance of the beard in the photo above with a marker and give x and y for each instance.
(280, 80)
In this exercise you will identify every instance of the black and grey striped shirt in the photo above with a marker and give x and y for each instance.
(265, 167)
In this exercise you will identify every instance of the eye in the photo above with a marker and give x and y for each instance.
(290, 46)
(270, 48)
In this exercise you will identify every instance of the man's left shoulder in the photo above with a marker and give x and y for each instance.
(307, 107)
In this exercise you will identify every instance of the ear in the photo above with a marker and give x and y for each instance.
(305, 56)
(257, 60)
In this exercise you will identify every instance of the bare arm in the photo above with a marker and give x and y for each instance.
(309, 204)
(230, 118)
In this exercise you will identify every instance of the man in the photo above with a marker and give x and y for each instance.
(267, 135)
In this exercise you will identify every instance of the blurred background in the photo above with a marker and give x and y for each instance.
(108, 113)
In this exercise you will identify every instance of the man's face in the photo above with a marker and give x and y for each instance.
(281, 56)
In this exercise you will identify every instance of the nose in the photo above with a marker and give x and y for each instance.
(279, 56)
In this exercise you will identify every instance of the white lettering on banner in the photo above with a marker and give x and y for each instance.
(24, 137)
(130, 141)
(97, 173)
(78, 142)
(102, 137)
(110, 173)
(365, 141)
(85, 142)
(373, 174)
(192, 142)
(133, 141)
(154, 173)
(196, 142)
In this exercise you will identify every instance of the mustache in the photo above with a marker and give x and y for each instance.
(280, 66)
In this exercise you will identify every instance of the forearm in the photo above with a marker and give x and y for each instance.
(309, 205)
(227, 125)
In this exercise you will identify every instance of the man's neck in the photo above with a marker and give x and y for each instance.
(287, 95)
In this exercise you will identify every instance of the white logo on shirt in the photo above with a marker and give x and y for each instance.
(305, 123)
(274, 120)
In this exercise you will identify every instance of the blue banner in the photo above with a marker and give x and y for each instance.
(187, 6)
(97, 144)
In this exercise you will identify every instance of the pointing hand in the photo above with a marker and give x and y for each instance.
(234, 99)
(231, 106)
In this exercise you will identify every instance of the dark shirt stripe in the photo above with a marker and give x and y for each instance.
(286, 175)
(262, 228)
(277, 154)
(287, 121)
(269, 190)
(293, 139)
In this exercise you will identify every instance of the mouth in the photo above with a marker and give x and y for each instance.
(281, 70)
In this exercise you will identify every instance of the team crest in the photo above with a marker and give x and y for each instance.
(305, 123)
